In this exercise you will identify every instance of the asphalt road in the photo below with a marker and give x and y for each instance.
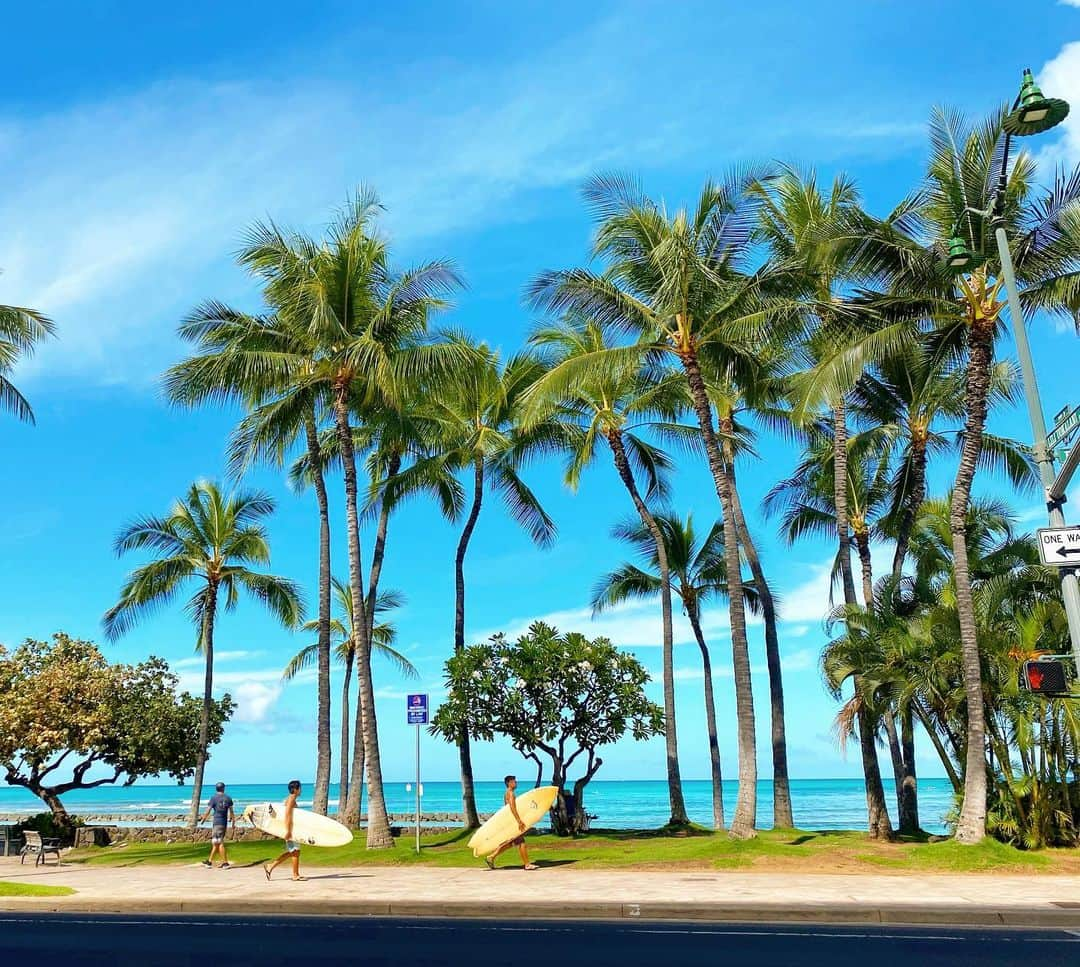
(76, 939)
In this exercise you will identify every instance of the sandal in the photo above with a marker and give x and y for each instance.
(266, 870)
(531, 866)
(489, 862)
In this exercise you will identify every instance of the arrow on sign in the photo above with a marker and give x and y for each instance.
(1067, 551)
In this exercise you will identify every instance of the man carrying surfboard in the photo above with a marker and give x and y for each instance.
(519, 841)
(292, 848)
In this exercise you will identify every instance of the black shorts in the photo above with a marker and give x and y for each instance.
(520, 841)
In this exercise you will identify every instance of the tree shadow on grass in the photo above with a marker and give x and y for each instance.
(805, 838)
(631, 835)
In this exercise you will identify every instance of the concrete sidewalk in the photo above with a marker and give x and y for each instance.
(558, 892)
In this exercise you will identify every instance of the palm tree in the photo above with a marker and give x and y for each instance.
(367, 323)
(594, 394)
(915, 398)
(382, 643)
(265, 363)
(807, 501)
(754, 386)
(474, 413)
(681, 283)
(1019, 615)
(963, 319)
(962, 175)
(211, 541)
(20, 332)
(696, 573)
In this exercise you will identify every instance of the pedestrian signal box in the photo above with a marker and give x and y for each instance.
(1044, 677)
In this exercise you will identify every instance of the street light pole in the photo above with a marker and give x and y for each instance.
(1070, 585)
(1031, 113)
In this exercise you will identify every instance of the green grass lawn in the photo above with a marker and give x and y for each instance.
(32, 889)
(780, 850)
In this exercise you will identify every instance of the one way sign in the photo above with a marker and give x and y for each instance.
(1060, 546)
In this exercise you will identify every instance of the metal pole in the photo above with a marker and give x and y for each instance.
(418, 789)
(1070, 587)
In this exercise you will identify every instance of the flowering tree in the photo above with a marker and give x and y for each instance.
(552, 695)
(70, 720)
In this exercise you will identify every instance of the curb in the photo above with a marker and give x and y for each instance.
(966, 915)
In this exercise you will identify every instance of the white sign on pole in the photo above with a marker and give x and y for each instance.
(1060, 546)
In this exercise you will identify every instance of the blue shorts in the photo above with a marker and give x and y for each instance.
(291, 846)
(217, 835)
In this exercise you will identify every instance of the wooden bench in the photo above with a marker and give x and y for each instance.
(39, 847)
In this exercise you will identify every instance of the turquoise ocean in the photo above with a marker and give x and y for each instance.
(631, 804)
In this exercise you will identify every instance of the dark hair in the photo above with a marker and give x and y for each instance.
(294, 786)
(220, 787)
(508, 779)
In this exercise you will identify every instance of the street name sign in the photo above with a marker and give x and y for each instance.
(1060, 546)
(1065, 425)
(416, 708)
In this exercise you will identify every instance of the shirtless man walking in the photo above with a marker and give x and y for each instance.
(519, 841)
(292, 848)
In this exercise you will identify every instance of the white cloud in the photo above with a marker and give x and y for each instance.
(635, 624)
(226, 680)
(808, 602)
(795, 662)
(1060, 77)
(197, 661)
(121, 214)
(1069, 3)
(390, 692)
(254, 701)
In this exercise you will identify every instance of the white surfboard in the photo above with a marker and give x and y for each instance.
(309, 828)
(501, 828)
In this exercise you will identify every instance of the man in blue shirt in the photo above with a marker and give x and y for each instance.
(222, 808)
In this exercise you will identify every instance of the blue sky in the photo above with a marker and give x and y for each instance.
(136, 146)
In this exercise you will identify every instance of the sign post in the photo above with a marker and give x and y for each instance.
(416, 712)
(1059, 546)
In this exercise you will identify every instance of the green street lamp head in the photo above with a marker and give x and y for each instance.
(960, 258)
(1035, 113)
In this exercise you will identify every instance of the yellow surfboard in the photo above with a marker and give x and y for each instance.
(532, 806)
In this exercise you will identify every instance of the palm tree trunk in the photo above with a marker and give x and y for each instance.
(939, 747)
(378, 555)
(782, 814)
(355, 772)
(321, 794)
(866, 566)
(840, 496)
(909, 788)
(344, 780)
(468, 790)
(915, 500)
(675, 791)
(207, 635)
(896, 755)
(710, 718)
(745, 818)
(378, 826)
(876, 811)
(971, 827)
